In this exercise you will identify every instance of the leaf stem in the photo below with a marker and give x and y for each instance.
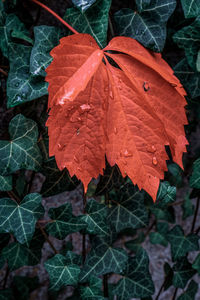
(6, 276)
(55, 15)
(47, 239)
(3, 72)
(195, 214)
(12, 195)
(160, 290)
(84, 235)
(175, 292)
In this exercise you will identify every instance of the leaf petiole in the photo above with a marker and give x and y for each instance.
(55, 15)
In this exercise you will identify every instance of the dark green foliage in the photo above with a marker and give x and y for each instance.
(128, 207)
(190, 293)
(182, 272)
(21, 152)
(181, 244)
(20, 219)
(98, 249)
(188, 38)
(22, 86)
(103, 259)
(148, 25)
(5, 183)
(136, 281)
(94, 21)
(61, 271)
(46, 38)
(63, 222)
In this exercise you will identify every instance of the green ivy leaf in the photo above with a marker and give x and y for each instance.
(135, 245)
(166, 214)
(21, 152)
(175, 174)
(94, 21)
(196, 264)
(188, 38)
(13, 28)
(181, 244)
(96, 218)
(64, 222)
(191, 8)
(6, 294)
(111, 179)
(103, 259)
(61, 272)
(83, 5)
(5, 183)
(23, 286)
(21, 85)
(182, 273)
(159, 237)
(166, 194)
(187, 207)
(189, 78)
(20, 219)
(129, 209)
(19, 255)
(148, 25)
(190, 293)
(56, 181)
(93, 290)
(195, 178)
(46, 38)
(136, 281)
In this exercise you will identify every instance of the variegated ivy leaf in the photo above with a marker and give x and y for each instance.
(148, 24)
(20, 219)
(128, 208)
(21, 85)
(46, 38)
(188, 38)
(191, 8)
(94, 21)
(189, 78)
(136, 281)
(61, 272)
(13, 28)
(21, 152)
(5, 183)
(83, 5)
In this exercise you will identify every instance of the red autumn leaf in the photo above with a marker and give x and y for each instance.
(123, 102)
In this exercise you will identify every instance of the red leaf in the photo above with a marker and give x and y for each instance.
(128, 111)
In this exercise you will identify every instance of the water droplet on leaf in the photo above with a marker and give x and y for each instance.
(61, 147)
(85, 107)
(111, 95)
(151, 149)
(115, 130)
(174, 84)
(77, 131)
(146, 86)
(154, 161)
(128, 153)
